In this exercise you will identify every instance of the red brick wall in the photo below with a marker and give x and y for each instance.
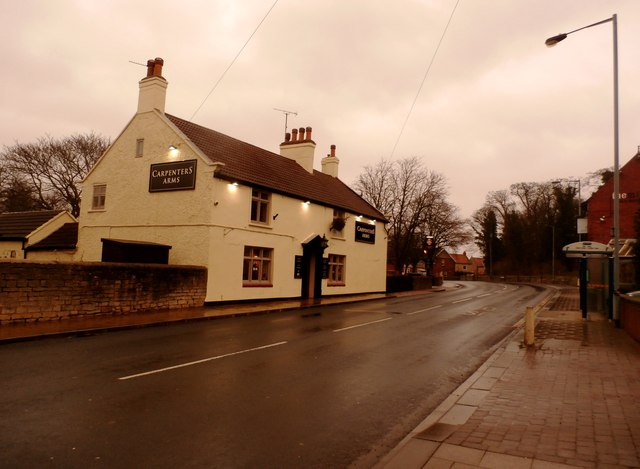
(630, 316)
(600, 206)
(37, 291)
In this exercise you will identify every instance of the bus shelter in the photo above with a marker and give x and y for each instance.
(595, 285)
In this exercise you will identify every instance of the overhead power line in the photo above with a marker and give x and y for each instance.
(234, 60)
(426, 73)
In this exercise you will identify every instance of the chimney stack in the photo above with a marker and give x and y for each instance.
(299, 147)
(330, 163)
(153, 88)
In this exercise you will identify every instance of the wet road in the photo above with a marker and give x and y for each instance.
(327, 387)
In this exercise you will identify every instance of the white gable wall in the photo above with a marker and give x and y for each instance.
(131, 211)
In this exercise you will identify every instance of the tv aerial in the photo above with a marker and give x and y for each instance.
(286, 116)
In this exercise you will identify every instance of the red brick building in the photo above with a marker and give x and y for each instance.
(600, 205)
(452, 265)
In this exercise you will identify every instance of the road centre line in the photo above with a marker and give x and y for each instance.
(461, 301)
(423, 310)
(169, 368)
(363, 324)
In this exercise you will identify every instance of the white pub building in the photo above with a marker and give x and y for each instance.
(265, 225)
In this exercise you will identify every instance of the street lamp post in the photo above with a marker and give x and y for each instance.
(552, 41)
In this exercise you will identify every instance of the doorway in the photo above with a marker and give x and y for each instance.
(312, 264)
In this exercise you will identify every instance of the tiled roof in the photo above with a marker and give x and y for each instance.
(460, 259)
(65, 237)
(251, 165)
(17, 225)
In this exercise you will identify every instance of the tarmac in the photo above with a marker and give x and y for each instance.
(571, 400)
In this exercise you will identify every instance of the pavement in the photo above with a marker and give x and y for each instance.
(570, 400)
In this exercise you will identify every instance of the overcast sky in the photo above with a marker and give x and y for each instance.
(497, 106)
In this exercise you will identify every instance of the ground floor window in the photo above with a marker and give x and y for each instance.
(336, 270)
(256, 267)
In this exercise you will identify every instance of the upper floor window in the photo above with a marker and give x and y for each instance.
(99, 196)
(139, 147)
(260, 201)
(339, 221)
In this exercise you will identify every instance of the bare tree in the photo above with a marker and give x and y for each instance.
(414, 200)
(53, 168)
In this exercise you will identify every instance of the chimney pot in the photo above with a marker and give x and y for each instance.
(287, 137)
(301, 134)
(150, 64)
(309, 133)
(157, 68)
(294, 135)
(333, 151)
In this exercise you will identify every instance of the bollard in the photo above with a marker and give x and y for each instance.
(529, 326)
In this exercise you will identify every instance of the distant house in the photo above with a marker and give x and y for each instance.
(41, 235)
(478, 266)
(265, 225)
(451, 265)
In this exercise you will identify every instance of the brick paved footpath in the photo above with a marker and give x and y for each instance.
(571, 400)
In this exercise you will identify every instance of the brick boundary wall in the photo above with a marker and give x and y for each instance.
(630, 315)
(40, 291)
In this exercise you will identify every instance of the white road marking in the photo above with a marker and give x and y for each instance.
(462, 300)
(169, 368)
(423, 310)
(360, 325)
(486, 294)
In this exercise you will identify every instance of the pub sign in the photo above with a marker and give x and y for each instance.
(174, 176)
(365, 232)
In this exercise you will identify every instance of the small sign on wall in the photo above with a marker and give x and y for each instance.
(174, 176)
(297, 267)
(365, 232)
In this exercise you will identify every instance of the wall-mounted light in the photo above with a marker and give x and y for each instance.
(233, 186)
(173, 147)
(372, 222)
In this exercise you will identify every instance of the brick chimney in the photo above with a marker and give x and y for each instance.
(299, 147)
(153, 88)
(330, 163)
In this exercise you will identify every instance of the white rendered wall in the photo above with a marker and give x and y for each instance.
(211, 225)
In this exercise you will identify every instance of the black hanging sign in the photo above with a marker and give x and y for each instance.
(365, 232)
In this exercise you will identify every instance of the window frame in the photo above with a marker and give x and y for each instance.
(338, 214)
(260, 205)
(257, 255)
(337, 275)
(140, 148)
(99, 201)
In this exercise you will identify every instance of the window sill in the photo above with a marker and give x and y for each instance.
(257, 224)
(336, 284)
(257, 284)
(97, 210)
